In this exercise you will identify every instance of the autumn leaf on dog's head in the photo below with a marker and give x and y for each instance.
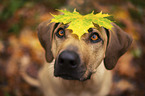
(80, 24)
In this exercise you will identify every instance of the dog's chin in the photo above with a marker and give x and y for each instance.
(69, 77)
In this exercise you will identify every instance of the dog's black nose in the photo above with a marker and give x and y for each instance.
(69, 59)
(68, 66)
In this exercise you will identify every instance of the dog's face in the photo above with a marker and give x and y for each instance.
(74, 58)
(77, 59)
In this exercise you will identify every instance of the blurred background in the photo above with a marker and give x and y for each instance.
(19, 44)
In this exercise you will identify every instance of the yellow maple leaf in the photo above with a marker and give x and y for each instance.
(80, 24)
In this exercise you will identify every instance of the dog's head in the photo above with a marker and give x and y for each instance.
(77, 59)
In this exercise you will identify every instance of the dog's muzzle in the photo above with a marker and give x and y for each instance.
(68, 66)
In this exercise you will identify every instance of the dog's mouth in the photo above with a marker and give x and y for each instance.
(74, 77)
(67, 77)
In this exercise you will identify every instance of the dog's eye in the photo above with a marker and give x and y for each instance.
(95, 38)
(60, 33)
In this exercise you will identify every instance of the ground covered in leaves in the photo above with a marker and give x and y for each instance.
(19, 43)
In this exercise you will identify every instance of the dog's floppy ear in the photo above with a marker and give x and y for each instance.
(45, 32)
(118, 44)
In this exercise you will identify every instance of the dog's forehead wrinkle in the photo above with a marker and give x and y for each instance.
(58, 26)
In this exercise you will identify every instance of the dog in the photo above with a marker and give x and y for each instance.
(80, 67)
